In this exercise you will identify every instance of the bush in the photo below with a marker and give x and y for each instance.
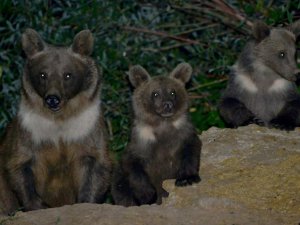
(156, 34)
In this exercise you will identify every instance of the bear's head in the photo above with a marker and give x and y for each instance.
(160, 97)
(53, 75)
(276, 48)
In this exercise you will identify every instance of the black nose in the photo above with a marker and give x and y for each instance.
(52, 101)
(168, 106)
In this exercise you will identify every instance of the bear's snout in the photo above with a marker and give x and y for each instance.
(168, 106)
(167, 109)
(53, 102)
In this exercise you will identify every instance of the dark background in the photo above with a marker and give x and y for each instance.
(156, 34)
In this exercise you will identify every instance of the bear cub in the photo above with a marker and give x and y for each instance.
(261, 87)
(163, 144)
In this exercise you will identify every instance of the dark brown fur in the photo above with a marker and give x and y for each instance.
(56, 157)
(9, 202)
(163, 145)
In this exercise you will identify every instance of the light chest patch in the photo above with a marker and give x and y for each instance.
(45, 129)
(279, 85)
(179, 122)
(145, 133)
(246, 83)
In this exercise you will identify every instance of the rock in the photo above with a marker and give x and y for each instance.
(250, 169)
(250, 175)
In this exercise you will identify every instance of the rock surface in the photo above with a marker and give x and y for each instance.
(250, 175)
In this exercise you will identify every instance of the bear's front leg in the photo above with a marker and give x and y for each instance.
(188, 172)
(144, 192)
(22, 181)
(94, 181)
(288, 118)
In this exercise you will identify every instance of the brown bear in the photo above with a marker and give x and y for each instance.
(55, 150)
(163, 143)
(261, 88)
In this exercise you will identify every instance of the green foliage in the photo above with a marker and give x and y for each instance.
(212, 36)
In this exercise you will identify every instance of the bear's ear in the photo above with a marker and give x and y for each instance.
(32, 42)
(138, 75)
(83, 43)
(182, 72)
(295, 28)
(260, 30)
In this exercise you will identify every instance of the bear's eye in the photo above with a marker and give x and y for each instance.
(155, 94)
(281, 54)
(43, 76)
(68, 76)
(173, 93)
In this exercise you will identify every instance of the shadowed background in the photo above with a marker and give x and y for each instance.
(155, 34)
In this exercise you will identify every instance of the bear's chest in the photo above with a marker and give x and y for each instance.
(264, 98)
